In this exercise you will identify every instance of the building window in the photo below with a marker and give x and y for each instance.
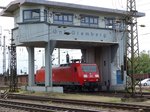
(45, 15)
(63, 18)
(113, 23)
(31, 15)
(109, 23)
(91, 21)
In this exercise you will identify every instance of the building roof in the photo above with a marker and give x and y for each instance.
(11, 7)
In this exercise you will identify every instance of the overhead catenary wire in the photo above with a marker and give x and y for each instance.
(143, 4)
(118, 4)
(146, 34)
(121, 3)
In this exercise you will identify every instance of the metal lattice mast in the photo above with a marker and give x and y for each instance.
(13, 67)
(132, 45)
(13, 64)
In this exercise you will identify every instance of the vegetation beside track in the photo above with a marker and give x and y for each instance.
(78, 96)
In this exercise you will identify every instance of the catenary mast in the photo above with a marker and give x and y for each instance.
(132, 47)
(13, 67)
(13, 64)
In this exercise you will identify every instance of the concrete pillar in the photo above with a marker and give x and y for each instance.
(48, 66)
(48, 63)
(90, 55)
(31, 81)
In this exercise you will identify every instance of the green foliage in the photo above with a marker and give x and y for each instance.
(144, 63)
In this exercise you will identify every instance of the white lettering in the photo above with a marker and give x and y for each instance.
(60, 31)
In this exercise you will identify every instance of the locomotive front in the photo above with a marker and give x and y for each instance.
(90, 76)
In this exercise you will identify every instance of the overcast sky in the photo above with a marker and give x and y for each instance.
(7, 23)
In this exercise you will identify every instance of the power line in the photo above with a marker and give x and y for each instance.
(144, 4)
(145, 10)
(146, 34)
(2, 7)
(121, 3)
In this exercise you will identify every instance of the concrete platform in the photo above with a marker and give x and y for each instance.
(43, 89)
(113, 88)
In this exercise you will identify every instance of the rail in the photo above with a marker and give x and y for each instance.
(39, 108)
(85, 103)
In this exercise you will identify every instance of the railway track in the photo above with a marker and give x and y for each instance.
(104, 92)
(119, 94)
(85, 103)
(40, 108)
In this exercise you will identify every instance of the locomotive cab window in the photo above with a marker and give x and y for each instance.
(89, 68)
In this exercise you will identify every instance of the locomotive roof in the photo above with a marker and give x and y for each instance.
(63, 65)
(68, 64)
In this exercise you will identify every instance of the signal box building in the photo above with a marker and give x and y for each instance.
(100, 33)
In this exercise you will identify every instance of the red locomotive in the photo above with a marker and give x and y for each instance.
(74, 76)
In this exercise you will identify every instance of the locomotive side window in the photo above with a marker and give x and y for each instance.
(89, 68)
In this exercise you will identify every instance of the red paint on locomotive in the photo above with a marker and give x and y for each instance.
(79, 74)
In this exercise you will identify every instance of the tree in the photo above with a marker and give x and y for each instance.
(144, 63)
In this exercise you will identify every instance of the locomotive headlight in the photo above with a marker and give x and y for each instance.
(85, 75)
(96, 75)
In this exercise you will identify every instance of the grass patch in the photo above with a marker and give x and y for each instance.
(73, 96)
